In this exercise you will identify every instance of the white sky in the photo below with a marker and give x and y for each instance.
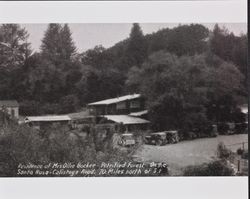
(87, 36)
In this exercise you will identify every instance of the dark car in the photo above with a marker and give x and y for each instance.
(162, 138)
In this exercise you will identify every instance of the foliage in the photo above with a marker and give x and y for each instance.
(14, 48)
(222, 151)
(68, 104)
(181, 40)
(214, 168)
(239, 151)
(186, 74)
(230, 47)
(180, 90)
(21, 144)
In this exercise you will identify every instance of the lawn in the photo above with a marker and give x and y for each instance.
(191, 152)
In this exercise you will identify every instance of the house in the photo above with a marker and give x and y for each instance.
(123, 105)
(11, 107)
(39, 122)
(127, 111)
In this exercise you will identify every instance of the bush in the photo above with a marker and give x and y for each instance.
(244, 155)
(215, 168)
(239, 151)
(223, 128)
(222, 151)
(24, 145)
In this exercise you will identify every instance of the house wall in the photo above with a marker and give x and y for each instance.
(120, 108)
(12, 111)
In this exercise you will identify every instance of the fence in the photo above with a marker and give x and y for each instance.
(235, 146)
(240, 164)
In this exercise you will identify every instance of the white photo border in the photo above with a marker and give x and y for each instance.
(234, 11)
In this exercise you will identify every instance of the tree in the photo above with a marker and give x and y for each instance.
(51, 43)
(230, 47)
(68, 49)
(14, 48)
(136, 51)
(187, 40)
(98, 57)
(69, 104)
(98, 84)
(57, 44)
(179, 89)
(14, 51)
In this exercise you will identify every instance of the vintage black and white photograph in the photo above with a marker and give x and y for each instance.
(123, 99)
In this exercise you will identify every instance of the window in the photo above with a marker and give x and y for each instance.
(121, 105)
(134, 104)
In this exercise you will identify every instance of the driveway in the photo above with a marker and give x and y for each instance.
(193, 152)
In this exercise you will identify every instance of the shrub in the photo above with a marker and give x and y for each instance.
(215, 168)
(239, 151)
(222, 151)
(244, 155)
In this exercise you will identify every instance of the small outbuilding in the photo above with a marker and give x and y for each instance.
(11, 107)
(39, 122)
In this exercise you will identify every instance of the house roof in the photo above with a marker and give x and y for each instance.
(140, 113)
(126, 119)
(47, 118)
(244, 108)
(9, 103)
(116, 100)
(80, 115)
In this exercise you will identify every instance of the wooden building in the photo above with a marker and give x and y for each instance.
(11, 107)
(118, 106)
(127, 122)
(40, 122)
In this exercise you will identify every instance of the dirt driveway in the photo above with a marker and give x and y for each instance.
(187, 153)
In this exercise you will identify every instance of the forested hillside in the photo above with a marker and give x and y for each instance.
(188, 74)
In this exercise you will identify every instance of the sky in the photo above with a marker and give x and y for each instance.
(87, 36)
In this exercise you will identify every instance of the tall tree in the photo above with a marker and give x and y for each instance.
(178, 89)
(136, 51)
(68, 49)
(51, 43)
(14, 48)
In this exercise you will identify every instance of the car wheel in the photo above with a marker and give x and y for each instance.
(159, 142)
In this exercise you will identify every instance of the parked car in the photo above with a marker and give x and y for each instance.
(162, 138)
(172, 137)
(226, 128)
(241, 128)
(127, 139)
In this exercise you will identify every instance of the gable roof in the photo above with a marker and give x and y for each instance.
(9, 103)
(116, 100)
(47, 118)
(140, 113)
(126, 119)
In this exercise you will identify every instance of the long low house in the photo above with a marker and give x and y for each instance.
(39, 122)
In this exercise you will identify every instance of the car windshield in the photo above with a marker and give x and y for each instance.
(128, 137)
